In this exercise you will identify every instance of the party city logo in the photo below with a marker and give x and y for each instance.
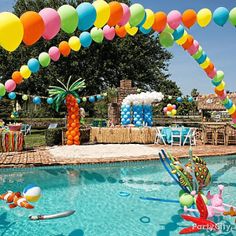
(222, 228)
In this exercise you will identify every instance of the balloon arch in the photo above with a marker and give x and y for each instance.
(101, 20)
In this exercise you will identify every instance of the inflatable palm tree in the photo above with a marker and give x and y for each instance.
(69, 93)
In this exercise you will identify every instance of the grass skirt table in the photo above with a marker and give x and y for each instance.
(11, 141)
(145, 135)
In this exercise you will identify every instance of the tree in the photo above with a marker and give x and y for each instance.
(194, 93)
(139, 58)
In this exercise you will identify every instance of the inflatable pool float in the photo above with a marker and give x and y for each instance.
(52, 216)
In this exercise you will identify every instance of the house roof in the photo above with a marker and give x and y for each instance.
(211, 102)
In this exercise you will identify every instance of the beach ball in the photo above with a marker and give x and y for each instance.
(32, 193)
(186, 200)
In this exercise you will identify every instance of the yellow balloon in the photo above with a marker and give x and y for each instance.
(206, 63)
(150, 18)
(131, 30)
(221, 86)
(183, 39)
(25, 72)
(103, 13)
(204, 17)
(11, 31)
(232, 110)
(74, 43)
(173, 112)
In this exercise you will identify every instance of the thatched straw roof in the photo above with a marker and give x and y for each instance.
(212, 103)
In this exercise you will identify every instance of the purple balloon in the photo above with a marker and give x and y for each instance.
(174, 107)
(174, 19)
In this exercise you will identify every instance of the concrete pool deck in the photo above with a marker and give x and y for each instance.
(88, 154)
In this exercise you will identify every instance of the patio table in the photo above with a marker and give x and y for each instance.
(168, 131)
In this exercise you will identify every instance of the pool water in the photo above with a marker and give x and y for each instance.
(107, 199)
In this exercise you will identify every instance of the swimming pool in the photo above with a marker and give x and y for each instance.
(106, 199)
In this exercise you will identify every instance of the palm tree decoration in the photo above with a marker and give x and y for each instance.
(70, 94)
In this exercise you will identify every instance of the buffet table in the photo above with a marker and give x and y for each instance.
(121, 135)
(11, 141)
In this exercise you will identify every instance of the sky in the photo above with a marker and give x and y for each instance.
(218, 42)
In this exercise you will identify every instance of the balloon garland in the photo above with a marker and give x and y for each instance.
(114, 18)
(170, 110)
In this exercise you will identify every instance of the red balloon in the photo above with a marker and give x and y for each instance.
(33, 27)
(116, 13)
(234, 115)
(219, 93)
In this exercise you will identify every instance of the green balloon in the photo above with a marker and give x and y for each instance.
(198, 54)
(168, 30)
(84, 99)
(69, 18)
(166, 39)
(2, 90)
(232, 16)
(186, 200)
(97, 35)
(25, 97)
(137, 14)
(219, 76)
(44, 59)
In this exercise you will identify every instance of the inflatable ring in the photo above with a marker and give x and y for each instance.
(145, 219)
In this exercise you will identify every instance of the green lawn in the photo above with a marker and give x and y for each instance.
(35, 140)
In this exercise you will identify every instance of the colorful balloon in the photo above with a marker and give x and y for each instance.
(97, 35)
(210, 68)
(109, 32)
(37, 100)
(52, 22)
(206, 63)
(33, 65)
(219, 76)
(25, 71)
(116, 13)
(50, 101)
(212, 74)
(198, 54)
(64, 48)
(204, 17)
(194, 48)
(12, 95)
(74, 43)
(44, 59)
(137, 14)
(17, 77)
(174, 19)
(160, 21)
(178, 33)
(121, 31)
(11, 31)
(87, 15)
(126, 15)
(54, 53)
(189, 18)
(232, 16)
(145, 31)
(188, 43)
(150, 18)
(85, 39)
(202, 58)
(131, 30)
(183, 39)
(221, 86)
(2, 90)
(24, 97)
(10, 85)
(69, 18)
(103, 13)
(221, 16)
(166, 39)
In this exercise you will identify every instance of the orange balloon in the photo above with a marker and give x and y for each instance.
(64, 49)
(188, 43)
(70, 142)
(189, 18)
(17, 77)
(70, 137)
(73, 125)
(234, 115)
(33, 27)
(219, 93)
(116, 13)
(170, 108)
(73, 133)
(160, 21)
(210, 68)
(76, 142)
(120, 31)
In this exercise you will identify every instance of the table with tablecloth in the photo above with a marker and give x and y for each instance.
(11, 141)
(167, 132)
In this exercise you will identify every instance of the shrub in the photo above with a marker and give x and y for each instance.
(54, 136)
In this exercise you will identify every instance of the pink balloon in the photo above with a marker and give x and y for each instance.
(234, 120)
(165, 109)
(52, 22)
(126, 15)
(109, 32)
(224, 96)
(54, 53)
(174, 19)
(194, 48)
(10, 85)
(212, 74)
(174, 107)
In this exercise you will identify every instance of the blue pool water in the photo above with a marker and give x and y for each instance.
(107, 199)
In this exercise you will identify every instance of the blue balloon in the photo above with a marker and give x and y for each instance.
(135, 113)
(33, 65)
(138, 116)
(135, 119)
(12, 95)
(145, 31)
(125, 110)
(179, 99)
(190, 99)
(221, 16)
(87, 15)
(128, 121)
(123, 120)
(99, 97)
(229, 104)
(85, 39)
(202, 58)
(215, 83)
(178, 33)
(78, 100)
(138, 123)
(50, 101)
(125, 117)
(37, 100)
(92, 99)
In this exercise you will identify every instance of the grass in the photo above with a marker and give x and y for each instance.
(35, 140)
